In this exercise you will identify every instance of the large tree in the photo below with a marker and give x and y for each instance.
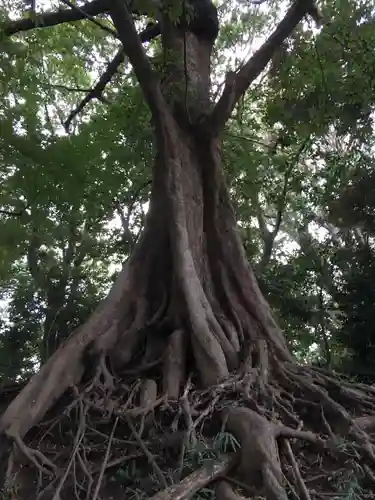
(185, 334)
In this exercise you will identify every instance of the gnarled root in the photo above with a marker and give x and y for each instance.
(266, 462)
(215, 321)
(259, 463)
(195, 481)
(225, 491)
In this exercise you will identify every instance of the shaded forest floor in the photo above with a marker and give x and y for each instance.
(128, 443)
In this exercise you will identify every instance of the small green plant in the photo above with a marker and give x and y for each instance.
(350, 491)
(136, 494)
(348, 482)
(205, 494)
(226, 442)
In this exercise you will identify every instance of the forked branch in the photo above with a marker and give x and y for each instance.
(238, 83)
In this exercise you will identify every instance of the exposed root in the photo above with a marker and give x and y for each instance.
(66, 366)
(109, 383)
(270, 418)
(105, 461)
(175, 365)
(303, 493)
(257, 434)
(148, 454)
(273, 460)
(37, 458)
(195, 481)
(225, 491)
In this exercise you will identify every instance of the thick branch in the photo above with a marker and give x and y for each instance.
(89, 16)
(53, 18)
(237, 83)
(133, 49)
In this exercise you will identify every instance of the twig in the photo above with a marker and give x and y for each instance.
(190, 438)
(148, 454)
(77, 442)
(86, 472)
(304, 494)
(119, 461)
(105, 461)
(250, 490)
(311, 437)
(249, 139)
(47, 489)
(190, 431)
(105, 436)
(327, 426)
(135, 412)
(56, 495)
(207, 410)
(291, 488)
(59, 86)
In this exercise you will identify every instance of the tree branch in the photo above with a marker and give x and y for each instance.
(237, 83)
(264, 231)
(127, 236)
(32, 259)
(135, 197)
(125, 222)
(283, 196)
(90, 17)
(15, 213)
(270, 236)
(54, 18)
(147, 78)
(70, 250)
(96, 93)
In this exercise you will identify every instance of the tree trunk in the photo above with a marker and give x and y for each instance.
(187, 303)
(189, 271)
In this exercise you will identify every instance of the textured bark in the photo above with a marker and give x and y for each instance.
(189, 269)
